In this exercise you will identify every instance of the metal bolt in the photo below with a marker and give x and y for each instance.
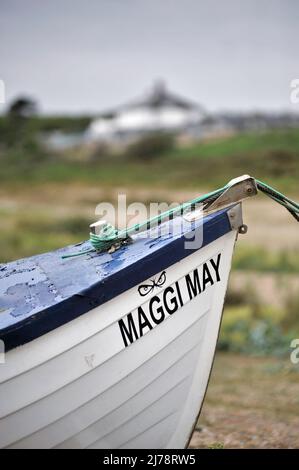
(243, 229)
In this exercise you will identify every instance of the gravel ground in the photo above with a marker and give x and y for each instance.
(251, 402)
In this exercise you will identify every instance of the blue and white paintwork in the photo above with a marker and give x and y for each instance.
(40, 293)
(70, 381)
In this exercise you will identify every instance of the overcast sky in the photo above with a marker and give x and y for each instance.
(87, 56)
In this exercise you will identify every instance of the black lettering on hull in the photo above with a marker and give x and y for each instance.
(152, 313)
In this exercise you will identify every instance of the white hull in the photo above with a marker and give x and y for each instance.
(80, 387)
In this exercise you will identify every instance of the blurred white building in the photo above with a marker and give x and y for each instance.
(158, 111)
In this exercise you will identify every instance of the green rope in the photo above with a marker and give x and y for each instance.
(110, 236)
(289, 204)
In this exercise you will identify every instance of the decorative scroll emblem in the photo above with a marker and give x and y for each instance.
(145, 289)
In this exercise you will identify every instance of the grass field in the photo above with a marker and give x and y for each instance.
(273, 156)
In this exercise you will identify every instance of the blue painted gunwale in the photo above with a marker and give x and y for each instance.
(43, 292)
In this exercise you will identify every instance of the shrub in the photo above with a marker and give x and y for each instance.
(150, 147)
(243, 332)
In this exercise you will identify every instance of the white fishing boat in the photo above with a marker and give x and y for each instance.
(115, 349)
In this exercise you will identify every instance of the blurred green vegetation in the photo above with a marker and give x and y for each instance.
(27, 233)
(252, 327)
(155, 161)
(33, 125)
(259, 259)
(150, 147)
